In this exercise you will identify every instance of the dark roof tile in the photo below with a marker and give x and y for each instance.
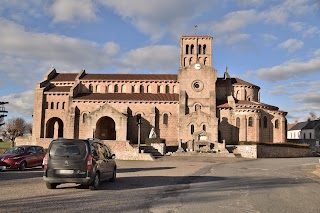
(128, 77)
(299, 125)
(59, 89)
(129, 97)
(64, 77)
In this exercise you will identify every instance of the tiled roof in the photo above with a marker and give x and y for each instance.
(234, 81)
(299, 126)
(123, 77)
(312, 124)
(64, 77)
(128, 96)
(59, 89)
(239, 103)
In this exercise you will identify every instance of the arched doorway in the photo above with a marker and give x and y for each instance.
(105, 129)
(54, 128)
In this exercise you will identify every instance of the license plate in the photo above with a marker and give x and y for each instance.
(68, 172)
(3, 167)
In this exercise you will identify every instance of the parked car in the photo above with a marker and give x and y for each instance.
(85, 162)
(21, 157)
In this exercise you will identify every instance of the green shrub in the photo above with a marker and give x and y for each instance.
(148, 141)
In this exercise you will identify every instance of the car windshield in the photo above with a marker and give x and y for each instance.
(71, 149)
(15, 150)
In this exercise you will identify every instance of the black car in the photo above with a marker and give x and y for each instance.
(85, 162)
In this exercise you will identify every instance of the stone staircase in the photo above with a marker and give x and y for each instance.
(150, 149)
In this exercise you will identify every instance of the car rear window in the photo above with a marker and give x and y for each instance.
(69, 149)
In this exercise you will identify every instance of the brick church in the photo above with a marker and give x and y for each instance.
(192, 105)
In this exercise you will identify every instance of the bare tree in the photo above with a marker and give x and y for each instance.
(14, 128)
(29, 128)
(312, 116)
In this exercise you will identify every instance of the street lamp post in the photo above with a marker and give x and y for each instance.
(138, 120)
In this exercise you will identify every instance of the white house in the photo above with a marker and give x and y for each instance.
(295, 131)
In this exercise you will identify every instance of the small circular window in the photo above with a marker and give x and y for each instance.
(197, 85)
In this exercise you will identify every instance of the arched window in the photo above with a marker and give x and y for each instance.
(165, 118)
(109, 88)
(123, 89)
(250, 121)
(205, 61)
(276, 124)
(84, 117)
(52, 105)
(158, 89)
(63, 105)
(98, 88)
(106, 89)
(58, 105)
(184, 61)
(141, 89)
(197, 107)
(132, 88)
(238, 122)
(148, 89)
(192, 129)
(199, 49)
(192, 49)
(204, 49)
(167, 89)
(90, 88)
(265, 122)
(204, 128)
(116, 88)
(187, 49)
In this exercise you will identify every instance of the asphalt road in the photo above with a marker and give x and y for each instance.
(175, 184)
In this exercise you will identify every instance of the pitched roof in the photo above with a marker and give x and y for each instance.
(299, 125)
(59, 89)
(234, 81)
(312, 124)
(129, 96)
(64, 77)
(126, 77)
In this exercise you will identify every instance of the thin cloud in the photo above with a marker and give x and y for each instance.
(291, 45)
(287, 70)
(73, 10)
(20, 104)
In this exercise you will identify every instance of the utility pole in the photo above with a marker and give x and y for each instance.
(2, 112)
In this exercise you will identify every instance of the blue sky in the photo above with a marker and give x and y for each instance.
(271, 43)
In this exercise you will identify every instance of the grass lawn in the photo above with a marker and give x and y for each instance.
(4, 146)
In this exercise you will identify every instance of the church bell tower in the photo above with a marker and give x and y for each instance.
(195, 48)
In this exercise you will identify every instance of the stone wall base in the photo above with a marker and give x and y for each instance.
(263, 151)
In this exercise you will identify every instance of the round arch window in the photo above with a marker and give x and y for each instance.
(197, 85)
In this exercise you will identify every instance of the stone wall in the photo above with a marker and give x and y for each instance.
(269, 151)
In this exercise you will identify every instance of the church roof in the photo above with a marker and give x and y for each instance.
(129, 96)
(241, 104)
(59, 89)
(234, 81)
(126, 77)
(64, 77)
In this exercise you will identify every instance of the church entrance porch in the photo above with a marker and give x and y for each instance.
(105, 129)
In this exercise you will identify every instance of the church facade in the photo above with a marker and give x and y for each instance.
(193, 105)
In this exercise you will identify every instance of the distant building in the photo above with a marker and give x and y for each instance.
(311, 130)
(192, 105)
(295, 131)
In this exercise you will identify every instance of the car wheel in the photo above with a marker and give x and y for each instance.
(23, 166)
(114, 175)
(96, 182)
(51, 185)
